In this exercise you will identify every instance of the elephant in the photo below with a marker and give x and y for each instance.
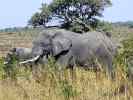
(20, 53)
(95, 47)
(70, 49)
(45, 45)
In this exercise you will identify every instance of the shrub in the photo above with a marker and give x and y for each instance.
(10, 69)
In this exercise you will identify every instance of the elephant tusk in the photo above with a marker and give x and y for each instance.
(30, 60)
(5, 62)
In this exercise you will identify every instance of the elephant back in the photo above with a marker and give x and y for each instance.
(98, 38)
(51, 32)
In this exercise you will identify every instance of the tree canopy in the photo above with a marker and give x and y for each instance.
(75, 15)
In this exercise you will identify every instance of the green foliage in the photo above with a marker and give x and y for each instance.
(35, 20)
(41, 18)
(128, 50)
(1, 67)
(104, 26)
(10, 69)
(78, 26)
(67, 90)
(71, 12)
(125, 55)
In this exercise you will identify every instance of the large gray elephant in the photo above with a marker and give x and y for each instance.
(69, 48)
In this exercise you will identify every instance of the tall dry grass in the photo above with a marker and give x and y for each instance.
(48, 83)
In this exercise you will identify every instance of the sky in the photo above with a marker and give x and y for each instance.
(121, 10)
(16, 13)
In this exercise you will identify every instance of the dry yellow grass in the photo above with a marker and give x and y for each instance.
(86, 85)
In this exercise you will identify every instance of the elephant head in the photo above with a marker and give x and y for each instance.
(49, 45)
(18, 53)
(10, 55)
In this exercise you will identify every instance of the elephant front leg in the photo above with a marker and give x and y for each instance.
(67, 61)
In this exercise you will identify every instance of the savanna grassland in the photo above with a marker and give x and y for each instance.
(46, 82)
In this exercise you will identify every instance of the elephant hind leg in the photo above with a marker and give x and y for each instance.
(109, 67)
(106, 59)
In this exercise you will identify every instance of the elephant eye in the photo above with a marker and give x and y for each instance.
(44, 44)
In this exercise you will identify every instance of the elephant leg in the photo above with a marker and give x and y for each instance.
(109, 66)
(67, 61)
(105, 57)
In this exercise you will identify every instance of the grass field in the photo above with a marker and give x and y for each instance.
(50, 84)
(9, 40)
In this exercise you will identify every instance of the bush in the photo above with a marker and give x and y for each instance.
(125, 55)
(104, 26)
(10, 69)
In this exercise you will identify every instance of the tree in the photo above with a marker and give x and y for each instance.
(75, 12)
(35, 19)
(41, 18)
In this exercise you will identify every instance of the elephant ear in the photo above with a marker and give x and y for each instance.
(61, 44)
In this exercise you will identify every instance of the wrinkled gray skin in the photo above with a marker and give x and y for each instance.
(20, 52)
(69, 48)
(95, 46)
